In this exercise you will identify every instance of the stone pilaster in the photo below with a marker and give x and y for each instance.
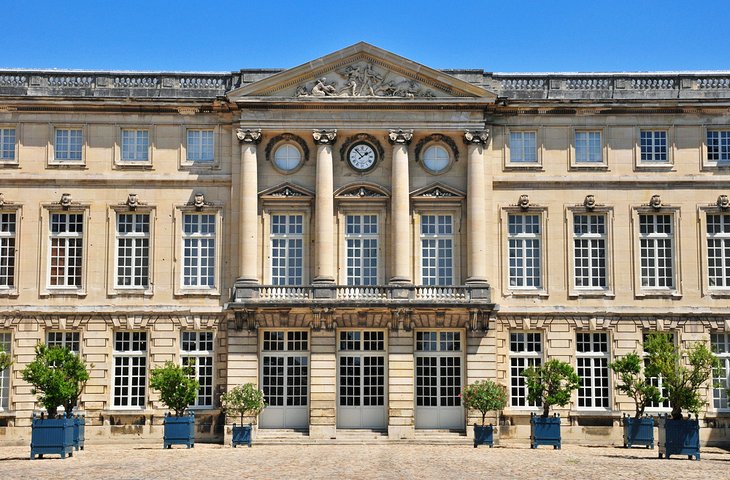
(400, 208)
(324, 208)
(248, 205)
(323, 398)
(476, 229)
(401, 419)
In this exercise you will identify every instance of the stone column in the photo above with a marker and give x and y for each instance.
(400, 216)
(248, 206)
(324, 230)
(476, 221)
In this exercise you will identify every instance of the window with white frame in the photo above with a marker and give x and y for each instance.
(287, 249)
(200, 145)
(285, 368)
(589, 251)
(68, 145)
(361, 246)
(721, 376)
(133, 250)
(523, 147)
(64, 339)
(437, 250)
(197, 353)
(135, 145)
(199, 250)
(438, 369)
(656, 249)
(718, 146)
(66, 249)
(524, 238)
(588, 147)
(7, 144)
(6, 345)
(8, 228)
(658, 381)
(718, 250)
(130, 369)
(653, 146)
(593, 357)
(525, 351)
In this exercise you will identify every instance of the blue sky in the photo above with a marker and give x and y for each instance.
(506, 36)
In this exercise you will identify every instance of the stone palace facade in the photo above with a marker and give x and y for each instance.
(361, 236)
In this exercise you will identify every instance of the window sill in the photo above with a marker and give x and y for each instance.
(7, 414)
(598, 167)
(659, 167)
(198, 293)
(591, 294)
(119, 292)
(719, 293)
(715, 167)
(50, 292)
(9, 164)
(9, 292)
(203, 166)
(527, 293)
(595, 413)
(516, 167)
(659, 294)
(68, 165)
(122, 411)
(133, 166)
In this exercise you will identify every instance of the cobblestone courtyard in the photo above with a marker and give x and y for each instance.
(360, 462)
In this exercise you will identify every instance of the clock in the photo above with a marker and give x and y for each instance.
(362, 157)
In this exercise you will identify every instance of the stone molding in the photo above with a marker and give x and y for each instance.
(248, 135)
(324, 136)
(400, 137)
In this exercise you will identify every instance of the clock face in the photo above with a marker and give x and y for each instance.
(361, 157)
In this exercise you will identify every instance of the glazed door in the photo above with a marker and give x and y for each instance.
(439, 371)
(285, 379)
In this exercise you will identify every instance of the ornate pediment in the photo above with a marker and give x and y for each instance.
(438, 191)
(362, 191)
(365, 72)
(287, 191)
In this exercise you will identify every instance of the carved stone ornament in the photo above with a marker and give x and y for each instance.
(187, 110)
(655, 202)
(199, 200)
(524, 202)
(476, 137)
(589, 202)
(400, 137)
(438, 193)
(249, 135)
(363, 79)
(287, 192)
(361, 193)
(723, 202)
(132, 201)
(2, 200)
(324, 137)
(65, 201)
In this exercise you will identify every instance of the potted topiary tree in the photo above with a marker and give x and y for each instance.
(638, 430)
(178, 390)
(58, 377)
(484, 396)
(550, 384)
(243, 400)
(683, 383)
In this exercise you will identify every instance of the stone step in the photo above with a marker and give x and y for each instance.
(359, 437)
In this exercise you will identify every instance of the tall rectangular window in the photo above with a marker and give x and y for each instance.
(437, 250)
(7, 144)
(653, 145)
(200, 146)
(718, 250)
(588, 146)
(8, 230)
(133, 250)
(438, 369)
(718, 146)
(721, 376)
(524, 238)
(69, 144)
(287, 249)
(70, 340)
(199, 250)
(130, 369)
(6, 344)
(197, 352)
(525, 351)
(589, 251)
(67, 248)
(592, 357)
(656, 244)
(361, 238)
(523, 147)
(135, 145)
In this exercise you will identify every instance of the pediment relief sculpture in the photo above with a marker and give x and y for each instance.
(438, 191)
(287, 191)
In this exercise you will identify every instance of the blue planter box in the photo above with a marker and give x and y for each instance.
(638, 432)
(52, 436)
(79, 432)
(544, 431)
(242, 435)
(483, 435)
(179, 430)
(679, 437)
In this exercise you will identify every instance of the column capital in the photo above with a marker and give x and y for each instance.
(476, 137)
(324, 137)
(249, 135)
(400, 137)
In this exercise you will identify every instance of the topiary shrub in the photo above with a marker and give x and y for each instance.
(177, 387)
(243, 400)
(484, 396)
(634, 384)
(551, 384)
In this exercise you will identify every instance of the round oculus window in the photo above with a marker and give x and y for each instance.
(287, 157)
(436, 158)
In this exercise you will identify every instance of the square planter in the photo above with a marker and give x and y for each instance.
(242, 435)
(179, 430)
(545, 431)
(79, 432)
(679, 437)
(638, 432)
(483, 435)
(52, 436)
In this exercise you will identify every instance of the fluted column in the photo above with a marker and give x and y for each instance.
(324, 208)
(248, 206)
(400, 210)
(476, 221)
